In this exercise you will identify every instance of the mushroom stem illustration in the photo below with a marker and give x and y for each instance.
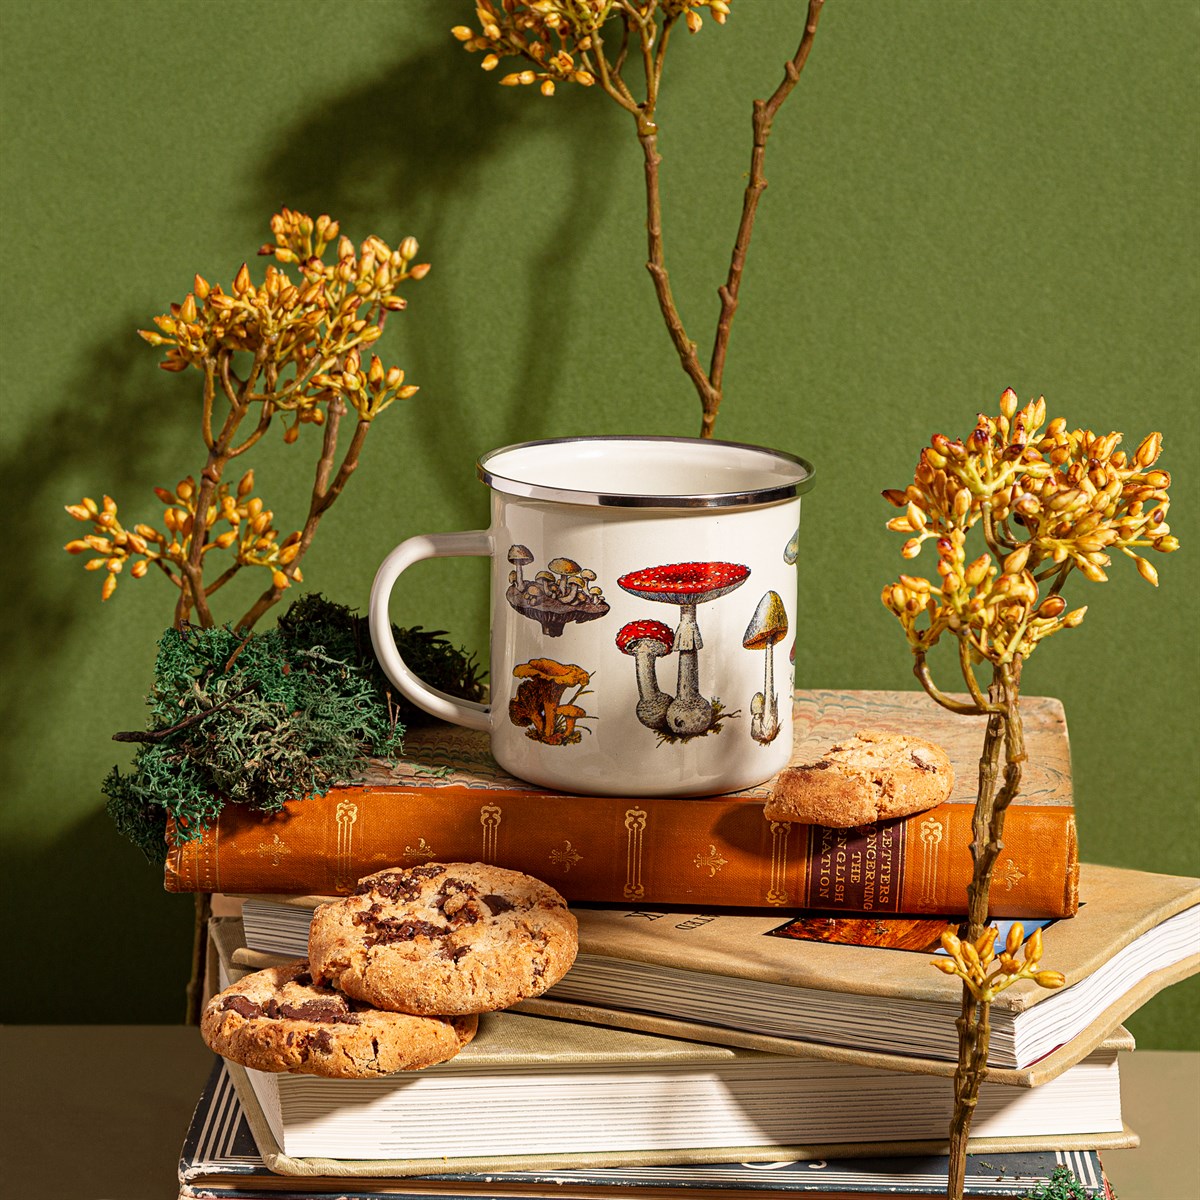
(647, 641)
(519, 556)
(689, 714)
(768, 626)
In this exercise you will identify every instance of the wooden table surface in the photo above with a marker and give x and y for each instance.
(99, 1113)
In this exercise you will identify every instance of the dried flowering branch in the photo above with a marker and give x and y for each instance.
(288, 348)
(1048, 504)
(591, 41)
(984, 977)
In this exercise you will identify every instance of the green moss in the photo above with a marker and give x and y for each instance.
(265, 718)
(1062, 1185)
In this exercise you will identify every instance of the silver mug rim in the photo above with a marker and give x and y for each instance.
(537, 491)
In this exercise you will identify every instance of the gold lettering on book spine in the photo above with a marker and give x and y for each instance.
(490, 816)
(343, 870)
(635, 826)
(778, 893)
(931, 842)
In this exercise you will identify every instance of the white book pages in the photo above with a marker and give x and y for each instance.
(758, 1100)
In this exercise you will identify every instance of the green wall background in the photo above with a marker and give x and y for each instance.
(964, 196)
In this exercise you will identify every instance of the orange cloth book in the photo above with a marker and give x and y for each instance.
(448, 801)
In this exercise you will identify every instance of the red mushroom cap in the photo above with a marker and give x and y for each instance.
(685, 583)
(637, 631)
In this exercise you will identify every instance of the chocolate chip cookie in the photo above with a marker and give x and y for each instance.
(444, 938)
(872, 776)
(280, 1020)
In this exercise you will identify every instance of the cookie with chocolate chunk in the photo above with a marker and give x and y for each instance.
(444, 938)
(280, 1020)
(872, 776)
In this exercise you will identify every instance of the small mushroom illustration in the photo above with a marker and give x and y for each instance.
(557, 595)
(768, 626)
(688, 584)
(538, 706)
(792, 550)
(647, 641)
(519, 556)
(564, 566)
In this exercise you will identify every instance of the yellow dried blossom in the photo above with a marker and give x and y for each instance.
(303, 335)
(985, 974)
(1048, 502)
(560, 38)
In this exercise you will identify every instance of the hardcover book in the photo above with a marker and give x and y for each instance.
(534, 1092)
(448, 801)
(749, 981)
(220, 1160)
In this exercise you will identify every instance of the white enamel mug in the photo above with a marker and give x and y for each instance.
(643, 601)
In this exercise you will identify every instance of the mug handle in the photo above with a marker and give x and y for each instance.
(475, 543)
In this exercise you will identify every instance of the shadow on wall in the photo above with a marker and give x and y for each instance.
(396, 154)
(111, 921)
(110, 440)
(392, 155)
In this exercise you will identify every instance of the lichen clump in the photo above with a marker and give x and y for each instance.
(261, 719)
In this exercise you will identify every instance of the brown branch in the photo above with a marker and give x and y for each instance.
(1057, 585)
(921, 671)
(264, 423)
(1005, 733)
(222, 579)
(210, 387)
(323, 495)
(657, 267)
(152, 736)
(974, 1036)
(968, 674)
(611, 81)
(619, 61)
(162, 566)
(763, 115)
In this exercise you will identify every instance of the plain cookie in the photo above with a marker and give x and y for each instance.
(444, 938)
(280, 1020)
(871, 776)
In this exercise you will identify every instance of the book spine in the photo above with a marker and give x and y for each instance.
(699, 853)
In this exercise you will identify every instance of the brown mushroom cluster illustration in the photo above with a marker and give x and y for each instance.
(539, 706)
(687, 714)
(562, 593)
(768, 626)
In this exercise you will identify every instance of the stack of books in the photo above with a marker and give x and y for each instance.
(696, 1048)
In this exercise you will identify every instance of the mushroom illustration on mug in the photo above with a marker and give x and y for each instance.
(768, 626)
(538, 707)
(555, 597)
(647, 641)
(688, 714)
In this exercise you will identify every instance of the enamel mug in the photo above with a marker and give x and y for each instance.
(643, 613)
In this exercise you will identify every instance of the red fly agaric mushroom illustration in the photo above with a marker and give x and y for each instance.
(768, 626)
(646, 641)
(563, 593)
(688, 714)
(538, 704)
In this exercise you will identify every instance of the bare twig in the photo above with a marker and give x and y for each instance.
(763, 117)
(708, 384)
